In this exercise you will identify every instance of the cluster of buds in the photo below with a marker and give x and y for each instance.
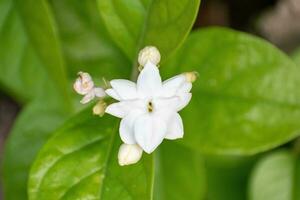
(149, 108)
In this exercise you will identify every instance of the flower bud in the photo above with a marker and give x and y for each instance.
(99, 108)
(191, 76)
(129, 154)
(149, 54)
(83, 84)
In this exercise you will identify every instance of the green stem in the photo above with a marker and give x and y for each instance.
(134, 72)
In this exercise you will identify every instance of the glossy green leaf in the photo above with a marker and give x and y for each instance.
(42, 34)
(179, 173)
(80, 162)
(133, 24)
(31, 129)
(246, 99)
(24, 76)
(276, 177)
(19, 64)
(85, 42)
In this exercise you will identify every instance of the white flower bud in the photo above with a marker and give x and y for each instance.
(191, 76)
(129, 154)
(149, 54)
(99, 108)
(83, 84)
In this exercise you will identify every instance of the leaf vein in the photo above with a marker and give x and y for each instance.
(108, 159)
(78, 182)
(63, 157)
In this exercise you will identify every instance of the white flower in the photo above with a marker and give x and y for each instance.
(84, 85)
(149, 54)
(149, 108)
(129, 154)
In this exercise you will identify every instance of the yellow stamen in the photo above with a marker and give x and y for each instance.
(150, 106)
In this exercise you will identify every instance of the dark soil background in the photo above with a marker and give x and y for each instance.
(274, 20)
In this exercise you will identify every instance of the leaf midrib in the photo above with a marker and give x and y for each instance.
(64, 155)
(77, 183)
(111, 144)
(60, 88)
(141, 38)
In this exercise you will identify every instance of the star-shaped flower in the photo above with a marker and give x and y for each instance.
(149, 108)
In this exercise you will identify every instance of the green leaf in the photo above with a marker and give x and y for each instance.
(24, 76)
(247, 97)
(86, 45)
(85, 42)
(42, 34)
(80, 162)
(31, 129)
(276, 177)
(227, 177)
(179, 173)
(18, 61)
(134, 24)
(19, 64)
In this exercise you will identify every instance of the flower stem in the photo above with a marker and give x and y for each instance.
(134, 72)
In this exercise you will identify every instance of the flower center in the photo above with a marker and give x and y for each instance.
(150, 106)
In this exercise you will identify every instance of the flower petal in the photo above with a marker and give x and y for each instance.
(163, 104)
(88, 97)
(118, 109)
(127, 127)
(112, 93)
(172, 85)
(149, 131)
(149, 81)
(174, 127)
(184, 100)
(83, 84)
(99, 92)
(124, 88)
(184, 88)
(123, 108)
